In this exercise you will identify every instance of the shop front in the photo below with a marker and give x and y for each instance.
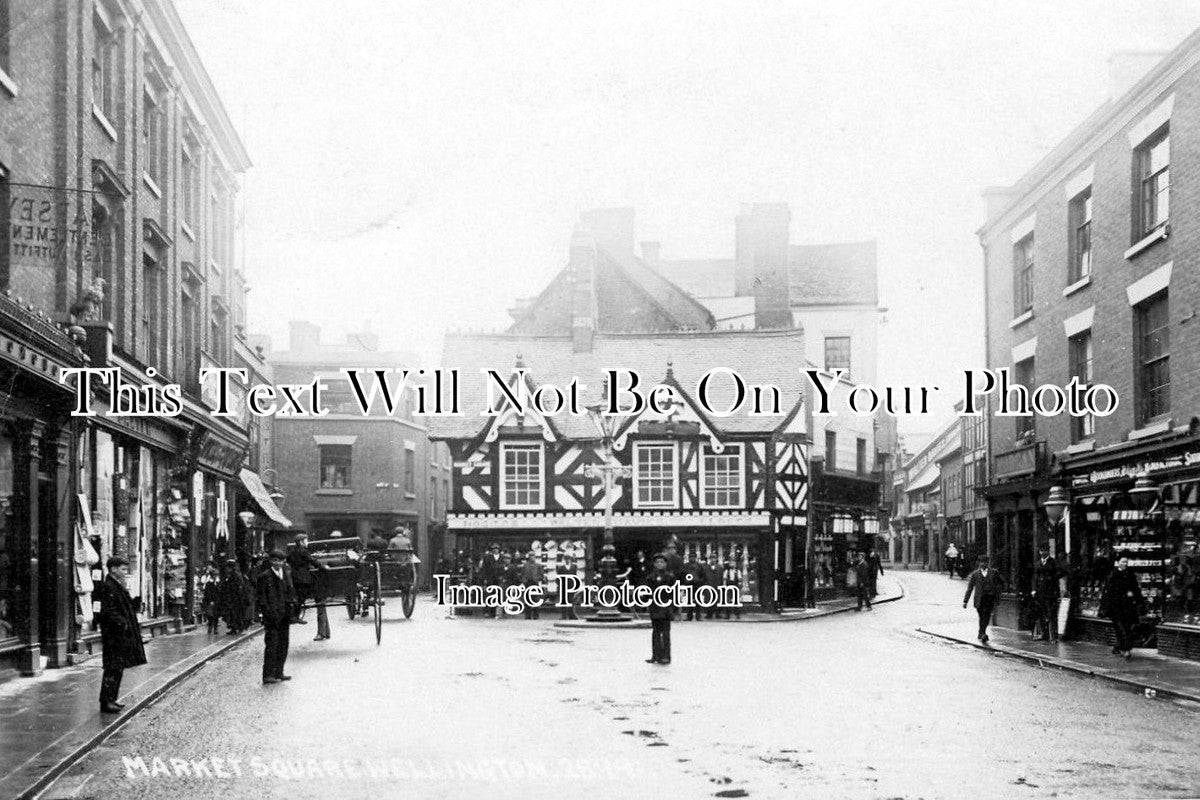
(577, 539)
(1142, 504)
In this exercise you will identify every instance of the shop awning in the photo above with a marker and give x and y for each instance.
(925, 477)
(254, 486)
(1098, 500)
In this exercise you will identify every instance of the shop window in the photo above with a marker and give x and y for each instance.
(1153, 344)
(1080, 215)
(655, 475)
(1153, 183)
(1080, 355)
(1023, 276)
(1183, 575)
(1023, 375)
(8, 544)
(521, 476)
(722, 477)
(837, 354)
(335, 466)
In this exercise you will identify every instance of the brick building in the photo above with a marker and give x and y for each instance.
(1091, 267)
(350, 472)
(118, 172)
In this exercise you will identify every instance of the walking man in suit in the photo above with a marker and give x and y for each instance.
(276, 596)
(120, 633)
(987, 584)
(1046, 594)
(862, 577)
(660, 615)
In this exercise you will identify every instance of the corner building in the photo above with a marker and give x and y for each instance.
(1092, 270)
(119, 174)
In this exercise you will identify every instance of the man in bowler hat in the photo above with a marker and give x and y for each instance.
(120, 633)
(276, 597)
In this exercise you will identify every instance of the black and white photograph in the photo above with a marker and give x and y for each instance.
(429, 399)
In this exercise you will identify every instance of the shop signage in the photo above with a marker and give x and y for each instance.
(1135, 470)
(590, 520)
(48, 227)
(219, 456)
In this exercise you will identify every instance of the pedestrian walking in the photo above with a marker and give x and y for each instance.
(491, 572)
(566, 567)
(874, 570)
(660, 613)
(986, 584)
(640, 569)
(531, 575)
(511, 574)
(732, 576)
(1122, 602)
(234, 598)
(276, 598)
(301, 563)
(120, 632)
(862, 576)
(210, 600)
(1045, 594)
(951, 558)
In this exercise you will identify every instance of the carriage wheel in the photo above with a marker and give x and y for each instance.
(378, 602)
(352, 603)
(408, 601)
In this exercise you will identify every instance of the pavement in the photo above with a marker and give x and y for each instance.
(51, 721)
(1146, 671)
(849, 705)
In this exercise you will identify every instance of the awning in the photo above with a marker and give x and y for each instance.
(1099, 500)
(254, 486)
(924, 478)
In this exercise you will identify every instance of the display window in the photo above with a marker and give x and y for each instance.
(8, 543)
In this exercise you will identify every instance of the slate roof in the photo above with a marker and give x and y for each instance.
(833, 274)
(701, 277)
(774, 357)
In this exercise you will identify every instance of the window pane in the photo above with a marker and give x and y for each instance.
(522, 475)
(722, 477)
(655, 474)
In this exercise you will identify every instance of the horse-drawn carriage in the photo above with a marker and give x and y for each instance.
(347, 577)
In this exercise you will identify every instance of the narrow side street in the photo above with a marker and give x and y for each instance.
(852, 705)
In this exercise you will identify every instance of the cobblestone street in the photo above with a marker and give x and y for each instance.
(852, 705)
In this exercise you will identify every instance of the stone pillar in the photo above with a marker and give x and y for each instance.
(27, 456)
(58, 590)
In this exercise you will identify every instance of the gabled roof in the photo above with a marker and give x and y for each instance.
(660, 305)
(833, 274)
(759, 357)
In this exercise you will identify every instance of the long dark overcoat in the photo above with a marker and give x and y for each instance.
(120, 633)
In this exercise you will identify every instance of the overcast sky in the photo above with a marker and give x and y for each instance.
(418, 165)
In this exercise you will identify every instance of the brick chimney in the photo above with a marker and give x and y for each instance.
(303, 336)
(611, 228)
(583, 282)
(743, 254)
(769, 241)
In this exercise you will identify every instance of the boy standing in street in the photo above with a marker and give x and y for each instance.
(660, 615)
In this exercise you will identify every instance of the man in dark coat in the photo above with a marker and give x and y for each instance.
(987, 585)
(276, 596)
(712, 575)
(862, 582)
(531, 575)
(660, 614)
(694, 576)
(639, 570)
(235, 596)
(120, 633)
(874, 570)
(1045, 594)
(1122, 602)
(491, 573)
(302, 564)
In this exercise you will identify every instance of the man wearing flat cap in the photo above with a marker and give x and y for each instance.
(276, 596)
(120, 632)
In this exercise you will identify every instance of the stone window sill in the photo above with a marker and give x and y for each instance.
(335, 492)
(105, 125)
(187, 231)
(1149, 240)
(1153, 429)
(152, 185)
(1077, 285)
(8, 84)
(1081, 447)
(1021, 320)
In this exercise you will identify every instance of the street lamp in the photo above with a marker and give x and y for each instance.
(608, 472)
(1058, 508)
(1144, 493)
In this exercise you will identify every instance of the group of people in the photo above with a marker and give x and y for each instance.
(1121, 600)
(227, 595)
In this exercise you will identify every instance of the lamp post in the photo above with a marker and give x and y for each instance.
(608, 473)
(1058, 508)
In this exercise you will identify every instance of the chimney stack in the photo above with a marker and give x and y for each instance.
(583, 278)
(764, 238)
(303, 336)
